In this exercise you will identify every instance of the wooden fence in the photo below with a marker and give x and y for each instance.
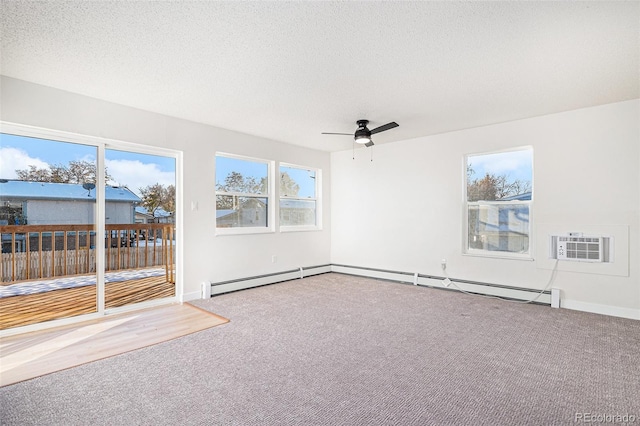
(51, 251)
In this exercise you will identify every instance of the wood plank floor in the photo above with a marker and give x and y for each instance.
(18, 311)
(30, 355)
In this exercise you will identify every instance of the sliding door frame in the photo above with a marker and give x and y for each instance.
(102, 144)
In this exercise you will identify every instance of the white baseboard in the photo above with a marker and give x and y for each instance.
(596, 308)
(421, 280)
(249, 282)
(486, 289)
(191, 296)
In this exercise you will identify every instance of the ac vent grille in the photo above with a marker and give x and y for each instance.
(586, 249)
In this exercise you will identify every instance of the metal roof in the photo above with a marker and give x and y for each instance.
(23, 190)
(526, 196)
(158, 213)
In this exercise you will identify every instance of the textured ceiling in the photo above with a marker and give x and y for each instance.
(291, 70)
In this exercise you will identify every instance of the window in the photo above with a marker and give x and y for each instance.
(242, 193)
(498, 203)
(298, 197)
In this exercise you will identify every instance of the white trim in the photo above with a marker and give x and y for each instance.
(179, 224)
(220, 232)
(194, 295)
(99, 224)
(499, 255)
(596, 308)
(302, 228)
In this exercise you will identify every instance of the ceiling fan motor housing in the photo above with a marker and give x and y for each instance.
(362, 131)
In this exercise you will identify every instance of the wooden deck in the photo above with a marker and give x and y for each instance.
(16, 311)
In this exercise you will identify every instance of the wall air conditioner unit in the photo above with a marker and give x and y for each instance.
(578, 247)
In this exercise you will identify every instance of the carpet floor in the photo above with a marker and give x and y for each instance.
(29, 355)
(341, 350)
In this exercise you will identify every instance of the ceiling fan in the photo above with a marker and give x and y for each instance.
(363, 134)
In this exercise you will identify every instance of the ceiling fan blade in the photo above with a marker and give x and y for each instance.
(368, 144)
(346, 134)
(384, 127)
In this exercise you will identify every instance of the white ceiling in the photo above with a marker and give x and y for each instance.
(291, 70)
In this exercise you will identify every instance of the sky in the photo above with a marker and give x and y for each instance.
(126, 168)
(514, 164)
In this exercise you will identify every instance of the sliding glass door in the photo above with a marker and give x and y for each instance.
(48, 228)
(140, 238)
(86, 228)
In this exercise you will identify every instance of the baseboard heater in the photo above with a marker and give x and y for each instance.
(260, 280)
(433, 281)
(476, 287)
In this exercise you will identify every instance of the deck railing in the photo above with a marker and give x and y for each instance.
(51, 251)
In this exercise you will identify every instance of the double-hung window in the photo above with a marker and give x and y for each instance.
(299, 201)
(498, 203)
(242, 194)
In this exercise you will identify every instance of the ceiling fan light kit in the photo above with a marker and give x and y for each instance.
(363, 134)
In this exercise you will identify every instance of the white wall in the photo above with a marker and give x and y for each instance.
(403, 211)
(207, 257)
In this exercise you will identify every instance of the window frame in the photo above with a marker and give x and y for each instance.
(270, 228)
(317, 198)
(466, 249)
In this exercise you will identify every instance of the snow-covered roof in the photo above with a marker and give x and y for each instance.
(18, 189)
(525, 196)
(158, 213)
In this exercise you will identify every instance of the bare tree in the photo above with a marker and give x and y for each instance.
(74, 172)
(494, 187)
(158, 196)
(236, 182)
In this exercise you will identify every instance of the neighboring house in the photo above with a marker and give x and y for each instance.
(251, 212)
(297, 212)
(159, 216)
(501, 228)
(43, 203)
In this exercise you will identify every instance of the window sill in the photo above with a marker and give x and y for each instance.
(300, 228)
(499, 255)
(242, 231)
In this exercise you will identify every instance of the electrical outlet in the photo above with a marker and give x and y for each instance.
(443, 264)
(274, 258)
(446, 282)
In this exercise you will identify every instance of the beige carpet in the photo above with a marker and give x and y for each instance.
(340, 350)
(34, 354)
